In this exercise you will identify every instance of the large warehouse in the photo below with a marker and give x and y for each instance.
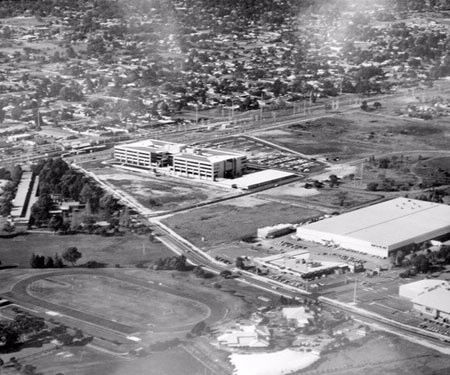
(383, 228)
(181, 159)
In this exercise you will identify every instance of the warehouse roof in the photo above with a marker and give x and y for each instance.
(259, 178)
(389, 222)
(437, 298)
(412, 290)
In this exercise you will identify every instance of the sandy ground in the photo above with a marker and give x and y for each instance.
(339, 170)
(276, 363)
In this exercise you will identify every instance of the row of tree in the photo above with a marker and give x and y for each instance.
(178, 263)
(9, 190)
(71, 255)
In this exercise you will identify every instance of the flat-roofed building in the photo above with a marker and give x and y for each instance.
(434, 302)
(209, 164)
(412, 290)
(257, 179)
(148, 153)
(429, 297)
(383, 228)
(182, 160)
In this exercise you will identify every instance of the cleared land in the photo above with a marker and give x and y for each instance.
(160, 193)
(115, 300)
(334, 198)
(127, 249)
(358, 135)
(234, 220)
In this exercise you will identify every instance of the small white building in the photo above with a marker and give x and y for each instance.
(299, 315)
(275, 231)
(246, 336)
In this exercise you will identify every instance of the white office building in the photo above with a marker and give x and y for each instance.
(182, 160)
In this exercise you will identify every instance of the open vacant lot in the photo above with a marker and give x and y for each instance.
(116, 300)
(358, 135)
(333, 198)
(161, 193)
(127, 249)
(234, 220)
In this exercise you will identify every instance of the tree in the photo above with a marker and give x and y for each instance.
(9, 336)
(71, 255)
(240, 263)
(342, 196)
(372, 186)
(226, 274)
(49, 262)
(334, 180)
(28, 325)
(56, 222)
(421, 262)
(40, 210)
(399, 256)
(37, 261)
(58, 263)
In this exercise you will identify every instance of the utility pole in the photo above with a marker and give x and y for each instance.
(354, 291)
(196, 114)
(362, 171)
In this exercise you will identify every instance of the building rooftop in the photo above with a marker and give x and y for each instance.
(437, 298)
(259, 178)
(299, 314)
(388, 223)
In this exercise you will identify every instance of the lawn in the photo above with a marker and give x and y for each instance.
(234, 220)
(115, 300)
(129, 249)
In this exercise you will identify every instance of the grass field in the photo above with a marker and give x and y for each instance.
(88, 361)
(234, 220)
(128, 249)
(116, 300)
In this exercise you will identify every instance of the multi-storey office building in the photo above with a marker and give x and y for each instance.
(182, 160)
(147, 154)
